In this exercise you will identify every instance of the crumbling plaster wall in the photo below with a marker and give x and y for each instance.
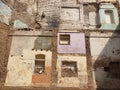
(3, 51)
(82, 79)
(20, 69)
(109, 22)
(91, 16)
(67, 19)
(107, 0)
(69, 2)
(56, 11)
(23, 10)
(104, 49)
(33, 39)
(87, 1)
(51, 9)
(5, 13)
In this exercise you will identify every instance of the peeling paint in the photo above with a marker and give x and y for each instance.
(20, 70)
(19, 24)
(5, 13)
(110, 7)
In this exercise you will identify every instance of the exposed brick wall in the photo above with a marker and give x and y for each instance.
(3, 51)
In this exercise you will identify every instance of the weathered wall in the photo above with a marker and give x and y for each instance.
(67, 19)
(69, 2)
(3, 51)
(114, 24)
(24, 47)
(105, 45)
(87, 1)
(51, 9)
(20, 9)
(64, 15)
(33, 42)
(77, 44)
(107, 0)
(82, 79)
(104, 50)
(21, 69)
(19, 72)
(58, 14)
(91, 16)
(5, 13)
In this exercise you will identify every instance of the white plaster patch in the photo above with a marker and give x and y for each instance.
(19, 72)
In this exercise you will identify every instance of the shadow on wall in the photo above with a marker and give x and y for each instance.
(43, 43)
(54, 21)
(106, 60)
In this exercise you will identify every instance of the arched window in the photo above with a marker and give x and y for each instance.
(39, 63)
(40, 56)
(64, 39)
(109, 17)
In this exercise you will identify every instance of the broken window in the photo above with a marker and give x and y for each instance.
(69, 69)
(65, 39)
(109, 18)
(39, 63)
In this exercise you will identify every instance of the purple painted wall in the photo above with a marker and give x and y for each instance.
(77, 44)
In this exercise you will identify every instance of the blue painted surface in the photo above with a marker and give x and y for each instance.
(104, 25)
(5, 13)
(19, 24)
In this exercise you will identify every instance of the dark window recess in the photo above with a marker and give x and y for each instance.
(65, 39)
(115, 69)
(69, 69)
(106, 69)
(40, 64)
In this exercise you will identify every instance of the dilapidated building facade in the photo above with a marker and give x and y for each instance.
(60, 44)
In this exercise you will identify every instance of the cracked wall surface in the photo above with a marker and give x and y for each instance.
(86, 52)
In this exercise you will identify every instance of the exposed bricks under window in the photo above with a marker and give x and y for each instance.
(69, 69)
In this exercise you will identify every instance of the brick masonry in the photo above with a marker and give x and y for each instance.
(3, 51)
